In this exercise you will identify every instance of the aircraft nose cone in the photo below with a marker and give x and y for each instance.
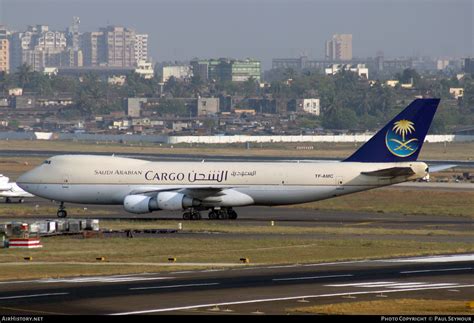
(25, 179)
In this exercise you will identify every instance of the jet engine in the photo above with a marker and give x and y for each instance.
(162, 201)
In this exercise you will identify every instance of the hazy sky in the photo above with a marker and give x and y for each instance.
(266, 29)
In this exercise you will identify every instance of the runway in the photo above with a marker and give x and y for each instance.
(252, 289)
(246, 289)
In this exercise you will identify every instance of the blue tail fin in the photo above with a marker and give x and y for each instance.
(402, 138)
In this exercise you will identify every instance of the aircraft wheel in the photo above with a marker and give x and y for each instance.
(223, 215)
(62, 214)
(195, 216)
(8, 200)
(213, 215)
(186, 215)
(232, 214)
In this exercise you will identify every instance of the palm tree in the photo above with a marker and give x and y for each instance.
(24, 74)
(402, 127)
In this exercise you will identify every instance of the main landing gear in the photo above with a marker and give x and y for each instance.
(214, 214)
(192, 214)
(9, 200)
(61, 211)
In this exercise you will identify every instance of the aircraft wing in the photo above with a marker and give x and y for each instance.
(391, 172)
(199, 192)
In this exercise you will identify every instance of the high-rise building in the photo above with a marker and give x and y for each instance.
(37, 46)
(339, 48)
(4, 51)
(141, 47)
(93, 48)
(120, 46)
(227, 69)
(469, 65)
(73, 35)
(241, 70)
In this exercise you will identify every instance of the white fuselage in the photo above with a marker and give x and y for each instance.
(108, 180)
(12, 190)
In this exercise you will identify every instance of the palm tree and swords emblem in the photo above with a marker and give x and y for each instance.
(397, 141)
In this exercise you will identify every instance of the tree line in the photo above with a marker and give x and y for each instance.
(347, 101)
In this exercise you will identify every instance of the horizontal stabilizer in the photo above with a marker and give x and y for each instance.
(391, 172)
(439, 168)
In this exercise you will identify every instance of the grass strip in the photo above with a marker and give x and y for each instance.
(404, 306)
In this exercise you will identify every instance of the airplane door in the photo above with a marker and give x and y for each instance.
(65, 181)
(339, 183)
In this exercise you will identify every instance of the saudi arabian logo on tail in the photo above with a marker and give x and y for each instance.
(399, 139)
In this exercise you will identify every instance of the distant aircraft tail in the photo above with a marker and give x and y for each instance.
(402, 138)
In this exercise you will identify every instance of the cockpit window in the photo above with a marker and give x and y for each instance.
(47, 162)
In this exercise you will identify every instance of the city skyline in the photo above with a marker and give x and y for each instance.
(181, 30)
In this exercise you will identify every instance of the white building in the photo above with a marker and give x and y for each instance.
(207, 106)
(456, 92)
(141, 47)
(442, 64)
(180, 72)
(360, 69)
(311, 106)
(145, 69)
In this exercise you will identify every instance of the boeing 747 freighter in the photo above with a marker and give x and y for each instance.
(141, 186)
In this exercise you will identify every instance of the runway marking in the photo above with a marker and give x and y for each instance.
(113, 278)
(283, 299)
(211, 270)
(173, 286)
(335, 263)
(436, 259)
(34, 295)
(282, 266)
(393, 285)
(369, 284)
(101, 279)
(435, 270)
(311, 277)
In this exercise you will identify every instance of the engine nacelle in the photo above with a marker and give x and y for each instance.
(174, 201)
(162, 201)
(137, 204)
